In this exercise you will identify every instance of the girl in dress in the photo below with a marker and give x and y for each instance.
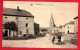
(56, 40)
(62, 39)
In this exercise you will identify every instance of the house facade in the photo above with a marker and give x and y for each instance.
(24, 21)
(69, 27)
(76, 24)
(61, 28)
(55, 29)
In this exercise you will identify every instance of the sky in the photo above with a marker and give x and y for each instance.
(63, 12)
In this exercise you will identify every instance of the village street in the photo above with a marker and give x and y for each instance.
(43, 42)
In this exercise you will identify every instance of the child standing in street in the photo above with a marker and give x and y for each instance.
(62, 39)
(53, 39)
(56, 40)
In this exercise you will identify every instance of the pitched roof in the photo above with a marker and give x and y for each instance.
(71, 22)
(76, 17)
(16, 12)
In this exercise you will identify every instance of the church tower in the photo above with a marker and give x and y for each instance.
(51, 25)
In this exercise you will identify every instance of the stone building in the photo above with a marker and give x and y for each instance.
(23, 20)
(36, 29)
(76, 24)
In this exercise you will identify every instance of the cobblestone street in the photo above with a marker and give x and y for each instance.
(43, 42)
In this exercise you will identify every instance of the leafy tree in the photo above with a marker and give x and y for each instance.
(11, 26)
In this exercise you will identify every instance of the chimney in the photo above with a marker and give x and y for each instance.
(18, 8)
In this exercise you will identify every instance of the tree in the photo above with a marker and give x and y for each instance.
(6, 25)
(13, 26)
(10, 26)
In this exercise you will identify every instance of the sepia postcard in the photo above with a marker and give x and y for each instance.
(40, 24)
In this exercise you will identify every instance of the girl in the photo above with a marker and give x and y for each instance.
(62, 39)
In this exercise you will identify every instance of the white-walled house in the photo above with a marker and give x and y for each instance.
(76, 24)
(61, 28)
(24, 21)
(69, 27)
(55, 29)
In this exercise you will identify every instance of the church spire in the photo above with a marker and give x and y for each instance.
(51, 15)
(52, 20)
(51, 24)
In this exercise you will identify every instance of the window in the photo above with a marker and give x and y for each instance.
(5, 17)
(26, 18)
(26, 24)
(67, 27)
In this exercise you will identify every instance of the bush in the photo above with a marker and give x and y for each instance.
(28, 36)
(23, 37)
(74, 41)
(41, 35)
